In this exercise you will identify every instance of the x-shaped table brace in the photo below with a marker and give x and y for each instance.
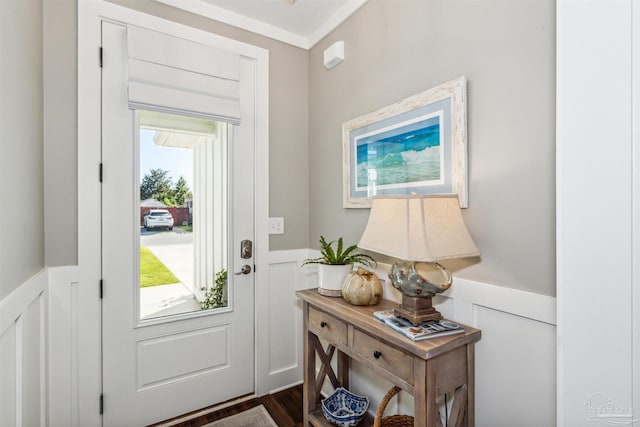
(326, 370)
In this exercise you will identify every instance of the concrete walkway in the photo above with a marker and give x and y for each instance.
(175, 250)
(156, 301)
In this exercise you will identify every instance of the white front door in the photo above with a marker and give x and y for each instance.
(163, 355)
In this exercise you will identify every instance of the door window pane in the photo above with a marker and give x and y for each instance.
(183, 214)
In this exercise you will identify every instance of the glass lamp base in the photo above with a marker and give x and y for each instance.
(418, 282)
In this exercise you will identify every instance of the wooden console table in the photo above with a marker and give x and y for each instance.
(425, 369)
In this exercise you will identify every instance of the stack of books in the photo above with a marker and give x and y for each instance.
(423, 331)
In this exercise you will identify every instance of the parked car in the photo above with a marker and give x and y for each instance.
(158, 218)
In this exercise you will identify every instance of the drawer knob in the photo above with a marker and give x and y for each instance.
(377, 354)
(323, 324)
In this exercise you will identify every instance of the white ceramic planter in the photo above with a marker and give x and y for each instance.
(331, 277)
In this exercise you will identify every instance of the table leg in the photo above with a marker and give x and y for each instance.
(420, 393)
(343, 369)
(471, 409)
(309, 386)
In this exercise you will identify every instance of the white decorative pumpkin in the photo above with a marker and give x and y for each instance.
(362, 287)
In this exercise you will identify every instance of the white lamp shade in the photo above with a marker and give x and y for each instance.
(418, 228)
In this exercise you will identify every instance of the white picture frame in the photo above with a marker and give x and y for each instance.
(416, 145)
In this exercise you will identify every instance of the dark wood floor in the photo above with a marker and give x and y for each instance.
(285, 408)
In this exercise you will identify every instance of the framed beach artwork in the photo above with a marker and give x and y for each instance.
(417, 145)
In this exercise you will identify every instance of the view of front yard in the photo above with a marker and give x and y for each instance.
(152, 271)
(176, 264)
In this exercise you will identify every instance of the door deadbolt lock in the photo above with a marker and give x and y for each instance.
(246, 249)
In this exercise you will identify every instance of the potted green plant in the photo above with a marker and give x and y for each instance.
(335, 264)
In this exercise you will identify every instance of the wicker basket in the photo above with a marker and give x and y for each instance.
(391, 420)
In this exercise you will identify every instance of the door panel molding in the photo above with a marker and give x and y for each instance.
(159, 361)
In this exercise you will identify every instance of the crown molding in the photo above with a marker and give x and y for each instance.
(332, 23)
(216, 13)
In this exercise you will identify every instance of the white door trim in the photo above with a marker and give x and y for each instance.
(90, 14)
(635, 250)
(597, 213)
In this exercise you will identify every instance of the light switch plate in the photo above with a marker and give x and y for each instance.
(276, 225)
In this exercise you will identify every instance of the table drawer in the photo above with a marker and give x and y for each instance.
(327, 326)
(390, 358)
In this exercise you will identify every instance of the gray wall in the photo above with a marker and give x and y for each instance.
(22, 214)
(394, 49)
(506, 49)
(61, 131)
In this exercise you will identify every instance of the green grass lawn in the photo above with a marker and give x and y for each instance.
(152, 271)
(187, 228)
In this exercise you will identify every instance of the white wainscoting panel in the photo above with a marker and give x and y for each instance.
(64, 349)
(8, 374)
(279, 324)
(23, 338)
(515, 363)
(515, 358)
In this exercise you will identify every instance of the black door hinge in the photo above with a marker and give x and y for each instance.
(100, 53)
(101, 283)
(100, 172)
(101, 404)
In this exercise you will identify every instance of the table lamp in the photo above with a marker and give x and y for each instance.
(418, 231)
